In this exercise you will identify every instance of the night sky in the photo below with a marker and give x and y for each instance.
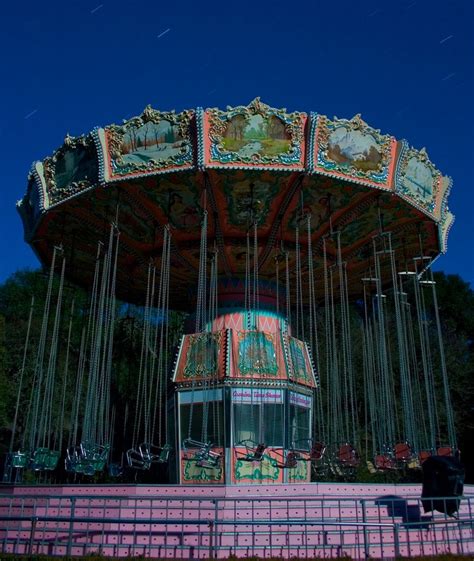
(406, 66)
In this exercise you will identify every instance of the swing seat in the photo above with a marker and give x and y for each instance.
(253, 452)
(402, 452)
(115, 470)
(79, 466)
(209, 460)
(86, 459)
(445, 451)
(201, 453)
(155, 454)
(383, 462)
(424, 455)
(292, 459)
(316, 450)
(316, 454)
(135, 460)
(44, 459)
(347, 456)
(72, 459)
(94, 458)
(19, 460)
(289, 462)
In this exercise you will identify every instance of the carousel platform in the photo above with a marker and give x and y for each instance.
(174, 521)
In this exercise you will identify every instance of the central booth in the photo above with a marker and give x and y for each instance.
(243, 403)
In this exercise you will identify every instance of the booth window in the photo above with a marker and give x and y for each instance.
(261, 423)
(213, 410)
(300, 427)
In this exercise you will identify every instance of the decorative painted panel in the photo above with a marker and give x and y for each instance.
(351, 149)
(201, 357)
(302, 472)
(256, 354)
(301, 368)
(73, 168)
(419, 181)
(192, 474)
(265, 471)
(154, 142)
(254, 136)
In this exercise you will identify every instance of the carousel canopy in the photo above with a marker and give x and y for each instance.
(245, 166)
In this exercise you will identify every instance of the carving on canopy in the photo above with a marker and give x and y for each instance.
(445, 226)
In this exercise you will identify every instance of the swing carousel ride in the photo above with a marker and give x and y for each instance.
(300, 246)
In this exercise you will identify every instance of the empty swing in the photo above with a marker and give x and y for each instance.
(91, 454)
(201, 451)
(152, 372)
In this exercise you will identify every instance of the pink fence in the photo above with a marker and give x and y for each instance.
(306, 520)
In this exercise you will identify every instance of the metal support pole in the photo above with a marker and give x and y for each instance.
(34, 520)
(71, 527)
(366, 537)
(211, 540)
(396, 539)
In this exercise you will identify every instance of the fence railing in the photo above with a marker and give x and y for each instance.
(160, 526)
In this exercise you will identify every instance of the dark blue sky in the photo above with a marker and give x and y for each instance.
(406, 65)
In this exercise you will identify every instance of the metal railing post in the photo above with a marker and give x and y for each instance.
(366, 537)
(216, 522)
(34, 520)
(71, 526)
(396, 539)
(211, 540)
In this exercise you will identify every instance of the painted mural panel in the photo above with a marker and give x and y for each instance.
(257, 354)
(256, 135)
(418, 179)
(250, 200)
(302, 472)
(72, 168)
(155, 141)
(178, 198)
(200, 357)
(192, 473)
(352, 148)
(301, 368)
(151, 141)
(264, 471)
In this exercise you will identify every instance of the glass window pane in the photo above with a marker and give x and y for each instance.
(215, 423)
(300, 429)
(259, 423)
(246, 422)
(273, 421)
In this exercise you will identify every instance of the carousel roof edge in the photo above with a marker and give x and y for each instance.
(253, 137)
